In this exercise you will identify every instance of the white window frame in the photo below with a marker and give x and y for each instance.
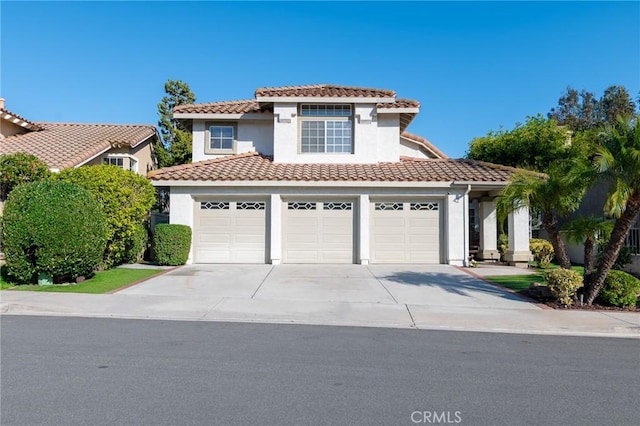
(207, 138)
(325, 118)
(133, 161)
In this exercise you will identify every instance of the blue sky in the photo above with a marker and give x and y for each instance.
(473, 66)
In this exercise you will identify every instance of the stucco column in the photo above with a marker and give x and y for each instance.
(457, 225)
(275, 229)
(488, 229)
(364, 227)
(518, 253)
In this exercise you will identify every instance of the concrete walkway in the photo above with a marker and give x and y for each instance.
(402, 296)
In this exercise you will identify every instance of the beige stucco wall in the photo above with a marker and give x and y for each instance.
(143, 153)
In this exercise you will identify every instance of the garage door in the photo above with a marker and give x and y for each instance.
(405, 232)
(230, 231)
(318, 232)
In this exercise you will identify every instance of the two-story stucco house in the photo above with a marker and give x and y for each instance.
(329, 174)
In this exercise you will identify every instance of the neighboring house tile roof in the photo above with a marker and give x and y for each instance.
(424, 142)
(324, 90)
(19, 120)
(253, 166)
(63, 145)
(227, 107)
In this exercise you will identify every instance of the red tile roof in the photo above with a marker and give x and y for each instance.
(227, 107)
(424, 142)
(324, 90)
(252, 166)
(251, 106)
(63, 145)
(401, 103)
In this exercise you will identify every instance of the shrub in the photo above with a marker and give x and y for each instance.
(563, 284)
(137, 244)
(126, 199)
(503, 244)
(620, 289)
(542, 251)
(55, 228)
(171, 244)
(20, 168)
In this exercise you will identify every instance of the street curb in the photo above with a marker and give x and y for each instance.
(140, 281)
(507, 289)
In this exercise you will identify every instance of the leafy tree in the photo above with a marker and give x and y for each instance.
(550, 196)
(51, 227)
(126, 199)
(533, 145)
(20, 168)
(175, 147)
(617, 161)
(581, 111)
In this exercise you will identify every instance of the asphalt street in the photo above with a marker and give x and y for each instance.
(79, 371)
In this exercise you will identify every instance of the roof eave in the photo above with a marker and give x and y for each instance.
(213, 116)
(348, 183)
(328, 99)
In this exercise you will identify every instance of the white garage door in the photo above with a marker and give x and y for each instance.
(230, 231)
(405, 232)
(318, 232)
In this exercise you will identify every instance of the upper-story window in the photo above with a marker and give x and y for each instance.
(326, 128)
(115, 161)
(124, 161)
(221, 138)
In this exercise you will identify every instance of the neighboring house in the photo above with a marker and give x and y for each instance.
(64, 145)
(329, 174)
(593, 205)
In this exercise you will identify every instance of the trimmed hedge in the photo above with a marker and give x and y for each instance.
(563, 284)
(126, 199)
(171, 244)
(137, 244)
(19, 168)
(54, 228)
(620, 289)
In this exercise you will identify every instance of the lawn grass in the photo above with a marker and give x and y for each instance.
(520, 282)
(101, 282)
(516, 282)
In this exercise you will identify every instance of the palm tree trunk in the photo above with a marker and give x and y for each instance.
(589, 261)
(550, 224)
(611, 251)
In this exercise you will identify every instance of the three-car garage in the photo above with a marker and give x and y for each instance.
(317, 230)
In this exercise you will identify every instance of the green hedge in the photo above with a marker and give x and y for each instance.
(54, 228)
(620, 289)
(171, 244)
(126, 199)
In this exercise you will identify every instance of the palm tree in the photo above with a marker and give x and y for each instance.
(586, 230)
(549, 195)
(617, 160)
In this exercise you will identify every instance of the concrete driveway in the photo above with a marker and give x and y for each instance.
(402, 296)
(423, 285)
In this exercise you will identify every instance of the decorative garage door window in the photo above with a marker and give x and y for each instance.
(250, 205)
(337, 206)
(301, 206)
(389, 206)
(214, 205)
(424, 206)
